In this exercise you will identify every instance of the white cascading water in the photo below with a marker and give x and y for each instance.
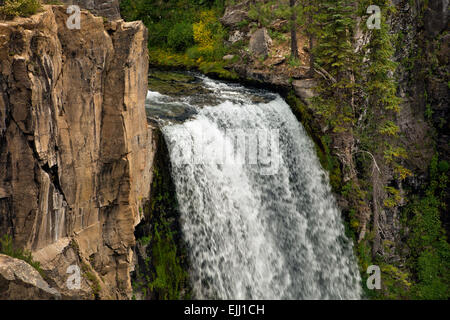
(254, 233)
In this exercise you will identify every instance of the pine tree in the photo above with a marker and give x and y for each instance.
(334, 55)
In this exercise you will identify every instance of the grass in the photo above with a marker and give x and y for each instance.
(7, 248)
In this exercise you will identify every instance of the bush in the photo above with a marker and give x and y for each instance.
(19, 8)
(6, 247)
(426, 241)
(181, 36)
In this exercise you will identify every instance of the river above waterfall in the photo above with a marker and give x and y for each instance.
(256, 210)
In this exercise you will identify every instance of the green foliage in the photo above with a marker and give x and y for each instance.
(181, 36)
(430, 251)
(428, 111)
(389, 128)
(163, 272)
(169, 277)
(6, 247)
(265, 12)
(19, 8)
(182, 33)
(322, 142)
(395, 281)
(94, 283)
(334, 53)
(381, 86)
(392, 153)
(394, 197)
(276, 35)
(294, 62)
(334, 50)
(443, 166)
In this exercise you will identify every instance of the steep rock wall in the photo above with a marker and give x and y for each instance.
(104, 8)
(75, 148)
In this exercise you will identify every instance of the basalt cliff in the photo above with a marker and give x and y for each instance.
(75, 151)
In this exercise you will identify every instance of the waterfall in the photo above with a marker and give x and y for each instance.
(257, 213)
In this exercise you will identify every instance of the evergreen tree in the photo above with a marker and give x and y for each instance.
(334, 55)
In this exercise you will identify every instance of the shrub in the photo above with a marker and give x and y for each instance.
(208, 35)
(194, 53)
(203, 29)
(181, 36)
(426, 241)
(19, 8)
(6, 247)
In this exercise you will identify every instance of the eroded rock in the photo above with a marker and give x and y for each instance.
(104, 8)
(234, 15)
(76, 151)
(20, 281)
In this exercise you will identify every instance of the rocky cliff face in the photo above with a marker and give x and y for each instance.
(75, 148)
(19, 279)
(104, 8)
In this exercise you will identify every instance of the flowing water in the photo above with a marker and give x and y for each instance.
(257, 213)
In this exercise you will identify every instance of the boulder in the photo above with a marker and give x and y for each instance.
(304, 89)
(20, 281)
(260, 43)
(233, 16)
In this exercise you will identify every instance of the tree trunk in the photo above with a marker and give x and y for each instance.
(311, 55)
(294, 48)
(311, 40)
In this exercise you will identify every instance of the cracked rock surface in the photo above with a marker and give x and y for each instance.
(75, 148)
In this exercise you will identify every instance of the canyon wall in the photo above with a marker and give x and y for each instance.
(104, 8)
(75, 148)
